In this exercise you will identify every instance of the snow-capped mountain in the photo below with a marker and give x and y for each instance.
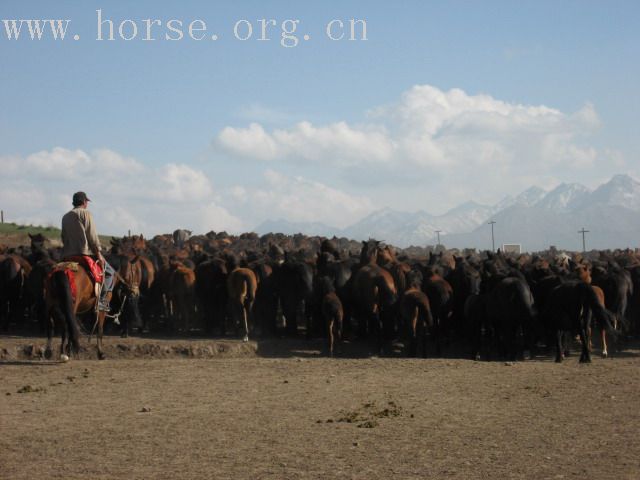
(535, 218)
(529, 197)
(565, 197)
(620, 190)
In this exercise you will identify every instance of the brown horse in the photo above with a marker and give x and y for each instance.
(332, 311)
(182, 295)
(603, 331)
(374, 293)
(63, 307)
(241, 286)
(416, 315)
(14, 275)
(440, 295)
(583, 273)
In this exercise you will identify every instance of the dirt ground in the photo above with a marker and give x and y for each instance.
(186, 409)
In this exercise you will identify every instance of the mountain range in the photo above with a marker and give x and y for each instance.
(535, 219)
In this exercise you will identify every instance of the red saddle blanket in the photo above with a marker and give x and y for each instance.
(70, 265)
(92, 266)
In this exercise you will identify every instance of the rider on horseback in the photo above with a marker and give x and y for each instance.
(79, 238)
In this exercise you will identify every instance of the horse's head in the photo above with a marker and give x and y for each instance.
(583, 273)
(369, 251)
(385, 255)
(37, 241)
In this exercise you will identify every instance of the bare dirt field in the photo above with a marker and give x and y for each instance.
(184, 409)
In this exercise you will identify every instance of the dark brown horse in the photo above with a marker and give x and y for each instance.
(374, 294)
(182, 296)
(65, 302)
(416, 315)
(332, 312)
(14, 274)
(568, 311)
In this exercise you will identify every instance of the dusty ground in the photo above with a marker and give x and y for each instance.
(182, 409)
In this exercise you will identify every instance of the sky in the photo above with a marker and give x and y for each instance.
(444, 102)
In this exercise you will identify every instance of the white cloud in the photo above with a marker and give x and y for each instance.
(125, 194)
(182, 183)
(301, 200)
(430, 128)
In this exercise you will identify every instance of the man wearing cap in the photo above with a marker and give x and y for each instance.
(79, 237)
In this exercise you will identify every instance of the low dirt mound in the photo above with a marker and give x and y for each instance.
(32, 348)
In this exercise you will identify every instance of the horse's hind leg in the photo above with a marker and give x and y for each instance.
(603, 337)
(245, 322)
(585, 357)
(559, 346)
(330, 339)
(101, 355)
(413, 333)
(49, 326)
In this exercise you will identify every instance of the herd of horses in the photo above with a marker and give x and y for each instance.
(489, 304)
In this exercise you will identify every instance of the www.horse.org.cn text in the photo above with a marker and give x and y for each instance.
(288, 33)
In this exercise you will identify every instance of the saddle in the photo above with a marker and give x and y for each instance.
(92, 267)
(70, 266)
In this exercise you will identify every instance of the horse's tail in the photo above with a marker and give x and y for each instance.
(525, 300)
(424, 309)
(604, 317)
(62, 290)
(386, 285)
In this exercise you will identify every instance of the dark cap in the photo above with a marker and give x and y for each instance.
(79, 198)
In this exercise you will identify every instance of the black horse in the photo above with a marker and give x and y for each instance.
(569, 309)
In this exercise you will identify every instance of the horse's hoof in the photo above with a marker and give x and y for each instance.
(605, 354)
(246, 338)
(48, 354)
(64, 358)
(101, 356)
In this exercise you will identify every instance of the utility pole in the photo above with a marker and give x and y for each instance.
(583, 231)
(438, 233)
(493, 242)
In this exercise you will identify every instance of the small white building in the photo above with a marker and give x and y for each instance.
(515, 248)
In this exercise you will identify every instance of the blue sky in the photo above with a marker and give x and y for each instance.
(152, 116)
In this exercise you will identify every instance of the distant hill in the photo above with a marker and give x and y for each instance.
(13, 235)
(535, 219)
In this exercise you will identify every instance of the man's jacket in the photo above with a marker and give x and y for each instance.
(79, 236)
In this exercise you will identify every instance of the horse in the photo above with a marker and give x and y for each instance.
(332, 312)
(510, 312)
(211, 292)
(374, 294)
(567, 310)
(64, 302)
(14, 274)
(440, 295)
(182, 295)
(340, 274)
(294, 280)
(616, 283)
(127, 293)
(465, 281)
(241, 287)
(415, 312)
